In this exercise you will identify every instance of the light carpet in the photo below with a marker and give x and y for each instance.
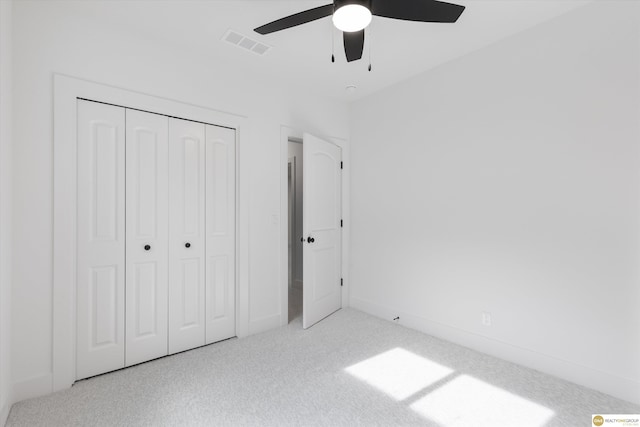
(351, 369)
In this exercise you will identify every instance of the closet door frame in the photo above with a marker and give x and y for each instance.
(67, 92)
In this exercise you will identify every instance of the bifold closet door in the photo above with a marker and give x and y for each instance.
(186, 235)
(147, 236)
(221, 230)
(100, 294)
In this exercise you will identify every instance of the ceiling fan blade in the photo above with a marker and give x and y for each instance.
(295, 20)
(417, 10)
(353, 45)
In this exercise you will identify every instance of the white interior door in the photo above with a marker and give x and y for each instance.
(321, 285)
(100, 341)
(186, 235)
(147, 236)
(221, 233)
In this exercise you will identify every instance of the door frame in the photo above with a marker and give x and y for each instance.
(286, 133)
(66, 92)
(291, 225)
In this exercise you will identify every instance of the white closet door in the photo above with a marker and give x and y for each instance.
(220, 227)
(101, 239)
(186, 235)
(147, 236)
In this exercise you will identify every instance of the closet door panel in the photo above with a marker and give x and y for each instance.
(220, 231)
(186, 235)
(100, 341)
(147, 236)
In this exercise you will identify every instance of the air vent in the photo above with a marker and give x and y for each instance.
(246, 43)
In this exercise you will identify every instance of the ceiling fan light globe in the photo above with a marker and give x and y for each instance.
(352, 17)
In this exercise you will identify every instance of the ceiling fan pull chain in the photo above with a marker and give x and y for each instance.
(370, 43)
(333, 44)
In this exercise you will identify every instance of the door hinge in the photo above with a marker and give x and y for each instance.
(341, 282)
(341, 223)
(341, 165)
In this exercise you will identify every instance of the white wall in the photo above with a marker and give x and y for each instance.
(67, 43)
(5, 208)
(295, 151)
(508, 181)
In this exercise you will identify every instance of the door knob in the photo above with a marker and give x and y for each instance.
(187, 245)
(310, 239)
(302, 239)
(147, 247)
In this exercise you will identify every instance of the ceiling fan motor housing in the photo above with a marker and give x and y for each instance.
(337, 4)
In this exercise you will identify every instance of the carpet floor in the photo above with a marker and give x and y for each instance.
(351, 369)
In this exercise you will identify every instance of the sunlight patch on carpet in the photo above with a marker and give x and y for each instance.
(399, 373)
(466, 401)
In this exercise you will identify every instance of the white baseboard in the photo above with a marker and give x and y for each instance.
(32, 387)
(264, 324)
(622, 388)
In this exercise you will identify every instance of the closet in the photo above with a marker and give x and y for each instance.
(156, 236)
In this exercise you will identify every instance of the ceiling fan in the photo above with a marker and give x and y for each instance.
(353, 16)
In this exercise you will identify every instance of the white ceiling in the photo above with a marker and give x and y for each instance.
(301, 56)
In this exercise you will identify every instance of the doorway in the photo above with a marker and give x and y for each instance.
(312, 259)
(295, 197)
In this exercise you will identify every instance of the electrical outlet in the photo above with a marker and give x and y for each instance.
(486, 318)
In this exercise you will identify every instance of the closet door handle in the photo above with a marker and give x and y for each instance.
(310, 240)
(147, 247)
(187, 245)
